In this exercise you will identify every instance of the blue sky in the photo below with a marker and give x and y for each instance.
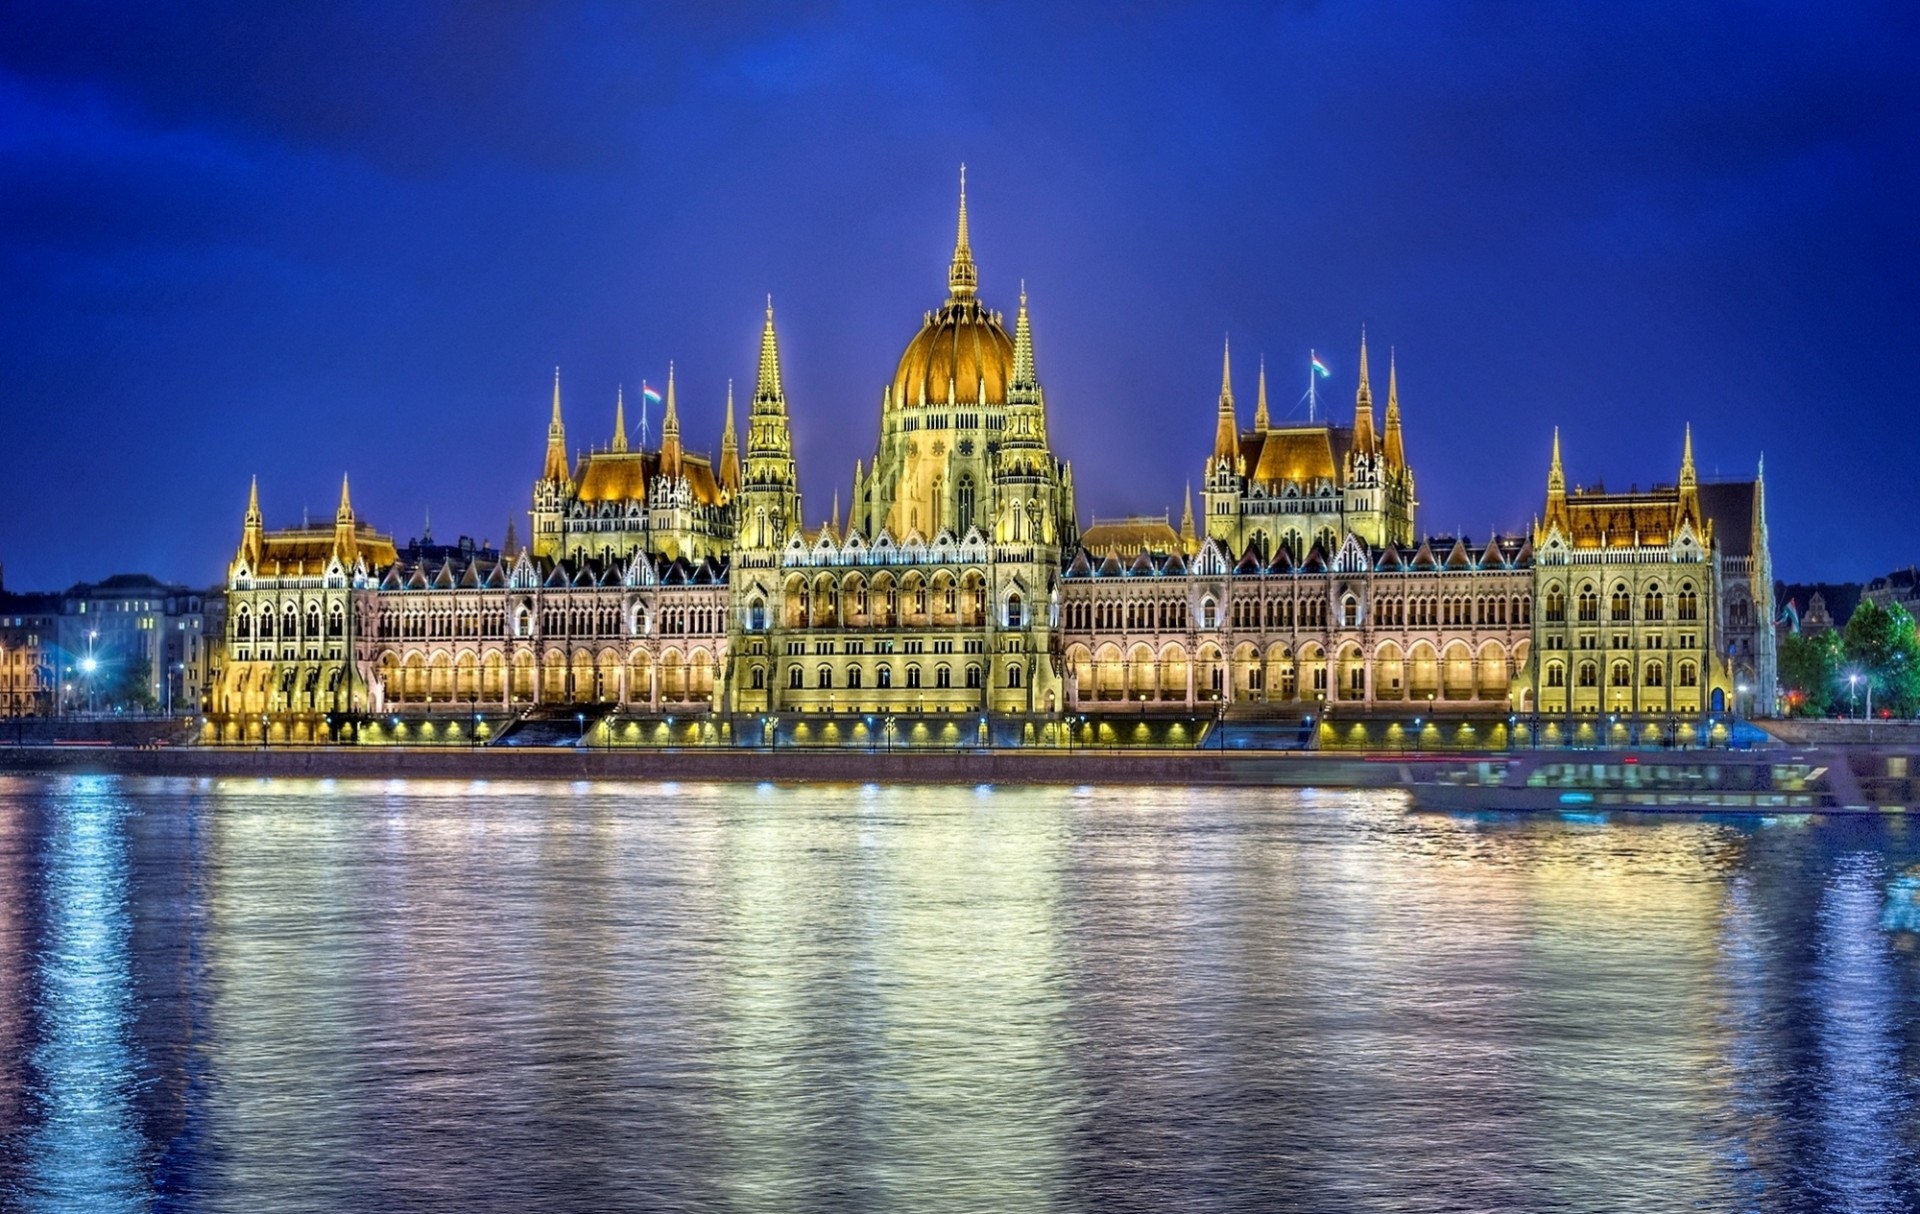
(244, 238)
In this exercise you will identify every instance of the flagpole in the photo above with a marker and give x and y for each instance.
(1313, 391)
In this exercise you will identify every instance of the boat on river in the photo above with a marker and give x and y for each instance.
(1823, 780)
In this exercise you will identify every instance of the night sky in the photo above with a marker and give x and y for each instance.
(246, 239)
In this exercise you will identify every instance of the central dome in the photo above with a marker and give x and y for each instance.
(962, 354)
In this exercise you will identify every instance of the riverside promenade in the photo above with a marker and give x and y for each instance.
(822, 766)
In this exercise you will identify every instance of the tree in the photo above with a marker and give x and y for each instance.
(1809, 672)
(1881, 646)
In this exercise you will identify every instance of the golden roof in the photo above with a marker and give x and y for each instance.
(1130, 537)
(306, 551)
(1298, 455)
(622, 476)
(1621, 520)
(960, 348)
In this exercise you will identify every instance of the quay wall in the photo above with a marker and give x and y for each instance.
(1009, 766)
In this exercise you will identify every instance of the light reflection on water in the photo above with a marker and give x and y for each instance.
(264, 996)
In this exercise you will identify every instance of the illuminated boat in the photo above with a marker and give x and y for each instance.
(1758, 782)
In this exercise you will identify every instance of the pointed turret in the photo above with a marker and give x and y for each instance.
(620, 421)
(1689, 483)
(1396, 451)
(962, 278)
(1363, 405)
(1556, 515)
(1189, 538)
(510, 547)
(1226, 432)
(344, 546)
(833, 517)
(1261, 419)
(729, 450)
(1024, 379)
(556, 468)
(1556, 475)
(672, 461)
(253, 528)
(768, 395)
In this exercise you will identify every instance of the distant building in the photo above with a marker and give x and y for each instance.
(1902, 586)
(135, 643)
(29, 631)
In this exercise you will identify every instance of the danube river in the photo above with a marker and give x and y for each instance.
(425, 996)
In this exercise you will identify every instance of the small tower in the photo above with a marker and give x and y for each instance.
(1226, 472)
(556, 469)
(672, 461)
(1026, 504)
(729, 452)
(620, 422)
(344, 547)
(555, 486)
(770, 495)
(1189, 538)
(1262, 421)
(253, 531)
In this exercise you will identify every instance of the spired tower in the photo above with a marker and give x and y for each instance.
(1295, 488)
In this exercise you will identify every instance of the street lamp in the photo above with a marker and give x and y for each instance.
(1853, 694)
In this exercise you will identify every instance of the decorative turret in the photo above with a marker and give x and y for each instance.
(253, 531)
(1556, 493)
(1396, 451)
(729, 451)
(1689, 483)
(1189, 538)
(1023, 442)
(962, 278)
(620, 422)
(556, 468)
(1226, 431)
(672, 461)
(344, 546)
(1363, 406)
(1261, 419)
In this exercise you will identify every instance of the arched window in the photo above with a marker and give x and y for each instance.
(243, 623)
(942, 677)
(1556, 675)
(1350, 612)
(913, 677)
(796, 678)
(1620, 675)
(1016, 611)
(964, 514)
(336, 622)
(1589, 675)
(973, 676)
(759, 678)
(757, 615)
(823, 677)
(1656, 605)
(1689, 675)
(1013, 674)
(883, 676)
(1209, 612)
(1689, 605)
(853, 678)
(1655, 675)
(1589, 605)
(1621, 607)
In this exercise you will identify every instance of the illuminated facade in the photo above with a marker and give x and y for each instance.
(660, 582)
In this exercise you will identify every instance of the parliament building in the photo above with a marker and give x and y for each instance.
(667, 595)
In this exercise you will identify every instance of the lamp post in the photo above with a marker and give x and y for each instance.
(1853, 694)
(473, 712)
(88, 665)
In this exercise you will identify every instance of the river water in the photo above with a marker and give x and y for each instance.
(420, 995)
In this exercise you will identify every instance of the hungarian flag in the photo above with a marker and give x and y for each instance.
(649, 393)
(1319, 368)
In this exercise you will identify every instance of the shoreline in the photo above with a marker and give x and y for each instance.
(823, 766)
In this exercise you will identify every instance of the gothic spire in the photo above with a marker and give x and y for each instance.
(345, 513)
(1024, 377)
(1363, 404)
(1189, 539)
(253, 503)
(1261, 421)
(1396, 448)
(1226, 433)
(962, 277)
(1688, 477)
(1556, 476)
(670, 451)
(556, 469)
(729, 450)
(344, 546)
(769, 395)
(620, 421)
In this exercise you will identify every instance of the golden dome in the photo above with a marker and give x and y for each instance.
(962, 351)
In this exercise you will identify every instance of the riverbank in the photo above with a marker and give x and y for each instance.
(827, 766)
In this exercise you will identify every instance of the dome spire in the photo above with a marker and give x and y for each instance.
(962, 278)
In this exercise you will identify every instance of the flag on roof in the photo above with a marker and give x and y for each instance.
(1319, 368)
(649, 393)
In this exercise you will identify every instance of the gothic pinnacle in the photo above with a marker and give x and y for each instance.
(962, 277)
(620, 420)
(1261, 419)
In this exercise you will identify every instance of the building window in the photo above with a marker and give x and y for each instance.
(1656, 677)
(1589, 605)
(824, 677)
(1350, 612)
(796, 678)
(1689, 675)
(1656, 605)
(973, 676)
(942, 677)
(1016, 611)
(1589, 675)
(1013, 674)
(1621, 608)
(1620, 675)
(1689, 605)
(853, 677)
(1556, 675)
(759, 678)
(883, 675)
(913, 677)
(964, 515)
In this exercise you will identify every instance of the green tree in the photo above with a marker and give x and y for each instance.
(1809, 671)
(1881, 646)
